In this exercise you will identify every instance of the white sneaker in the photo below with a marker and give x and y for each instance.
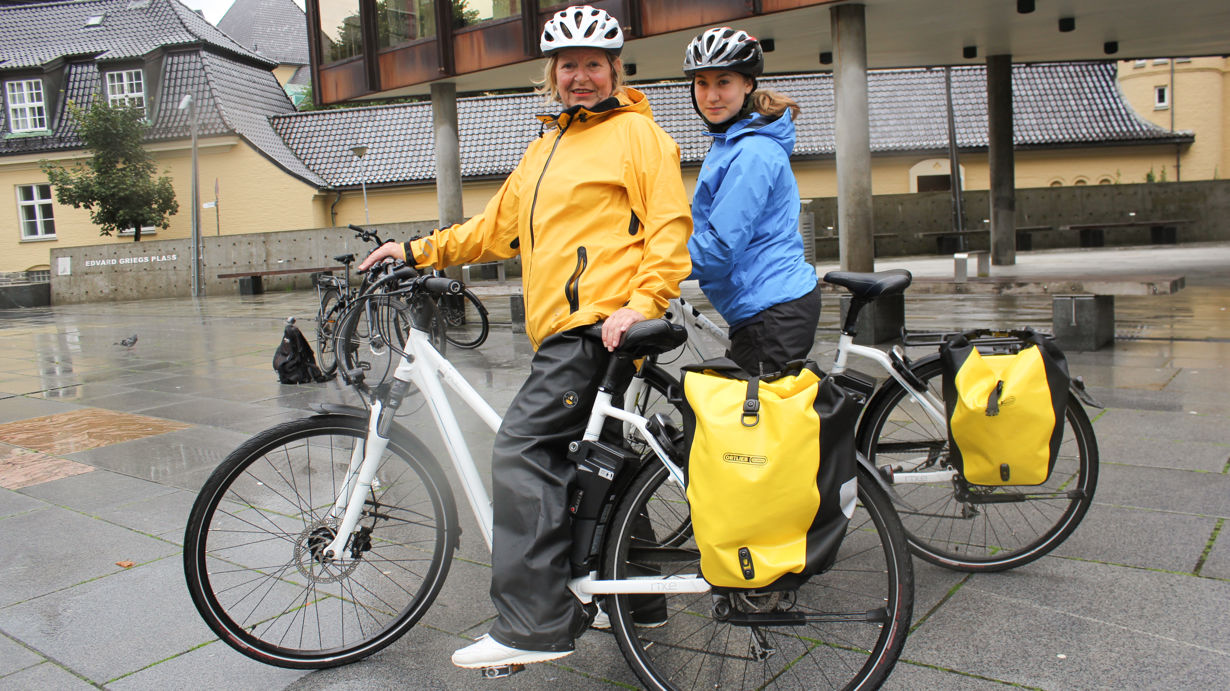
(488, 652)
(602, 622)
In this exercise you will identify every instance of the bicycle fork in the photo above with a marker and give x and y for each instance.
(358, 483)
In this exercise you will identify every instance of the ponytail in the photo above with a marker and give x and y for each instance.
(772, 104)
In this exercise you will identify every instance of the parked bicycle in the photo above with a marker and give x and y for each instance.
(336, 295)
(903, 439)
(321, 541)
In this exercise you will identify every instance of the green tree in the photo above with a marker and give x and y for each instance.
(117, 183)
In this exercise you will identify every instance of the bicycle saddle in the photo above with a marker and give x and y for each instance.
(344, 258)
(871, 285)
(644, 338)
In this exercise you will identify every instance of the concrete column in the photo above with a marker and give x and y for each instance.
(1000, 160)
(448, 152)
(854, 223)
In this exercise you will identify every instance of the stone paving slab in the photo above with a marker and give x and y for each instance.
(61, 549)
(177, 459)
(1135, 537)
(72, 627)
(15, 657)
(211, 666)
(1202, 494)
(46, 675)
(23, 407)
(96, 491)
(13, 503)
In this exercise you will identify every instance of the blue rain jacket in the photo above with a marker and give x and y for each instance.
(745, 245)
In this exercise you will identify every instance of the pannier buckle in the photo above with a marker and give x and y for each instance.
(751, 411)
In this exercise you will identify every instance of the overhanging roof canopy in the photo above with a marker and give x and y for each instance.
(900, 33)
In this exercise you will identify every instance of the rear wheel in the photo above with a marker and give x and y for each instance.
(252, 549)
(855, 615)
(969, 527)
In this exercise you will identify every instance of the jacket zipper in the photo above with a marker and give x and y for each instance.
(534, 204)
(634, 224)
(572, 290)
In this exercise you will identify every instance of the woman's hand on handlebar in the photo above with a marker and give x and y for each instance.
(389, 250)
(615, 325)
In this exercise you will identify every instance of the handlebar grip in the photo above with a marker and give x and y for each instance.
(404, 273)
(358, 229)
(442, 286)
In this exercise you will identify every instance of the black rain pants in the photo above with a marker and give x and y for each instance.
(531, 475)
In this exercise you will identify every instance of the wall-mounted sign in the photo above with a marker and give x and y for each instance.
(124, 261)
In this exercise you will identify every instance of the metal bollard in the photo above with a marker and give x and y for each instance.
(516, 308)
(960, 273)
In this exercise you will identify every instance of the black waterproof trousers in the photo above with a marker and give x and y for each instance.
(780, 334)
(531, 475)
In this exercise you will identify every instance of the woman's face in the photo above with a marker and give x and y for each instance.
(584, 76)
(720, 94)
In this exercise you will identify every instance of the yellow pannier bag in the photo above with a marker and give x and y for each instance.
(771, 472)
(1005, 409)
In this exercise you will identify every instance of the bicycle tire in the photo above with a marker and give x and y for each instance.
(252, 534)
(465, 319)
(683, 647)
(981, 536)
(326, 330)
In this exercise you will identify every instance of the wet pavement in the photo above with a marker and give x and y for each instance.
(102, 447)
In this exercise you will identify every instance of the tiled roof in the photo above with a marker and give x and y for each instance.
(233, 96)
(1060, 104)
(34, 35)
(276, 29)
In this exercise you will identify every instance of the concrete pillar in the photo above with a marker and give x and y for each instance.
(448, 152)
(1000, 160)
(854, 222)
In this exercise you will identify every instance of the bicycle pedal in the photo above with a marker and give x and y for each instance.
(501, 671)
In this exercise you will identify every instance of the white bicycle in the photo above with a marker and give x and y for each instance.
(322, 540)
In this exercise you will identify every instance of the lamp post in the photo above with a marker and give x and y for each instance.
(359, 150)
(189, 104)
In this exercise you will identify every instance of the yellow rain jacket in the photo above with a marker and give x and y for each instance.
(597, 211)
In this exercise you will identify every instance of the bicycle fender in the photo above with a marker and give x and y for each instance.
(340, 409)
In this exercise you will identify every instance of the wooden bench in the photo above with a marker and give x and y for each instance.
(1082, 309)
(250, 281)
(1162, 232)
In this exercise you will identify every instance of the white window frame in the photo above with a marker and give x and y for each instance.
(126, 88)
(1161, 97)
(35, 207)
(26, 105)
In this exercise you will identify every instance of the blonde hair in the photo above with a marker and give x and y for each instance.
(548, 87)
(773, 103)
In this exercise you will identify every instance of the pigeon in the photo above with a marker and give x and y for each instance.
(128, 342)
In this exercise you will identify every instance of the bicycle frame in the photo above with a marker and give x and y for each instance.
(423, 366)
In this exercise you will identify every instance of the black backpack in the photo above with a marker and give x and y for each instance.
(294, 360)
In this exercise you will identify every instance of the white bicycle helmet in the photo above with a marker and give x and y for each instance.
(581, 26)
(724, 48)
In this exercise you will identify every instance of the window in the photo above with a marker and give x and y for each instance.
(34, 210)
(27, 112)
(341, 34)
(126, 88)
(1161, 97)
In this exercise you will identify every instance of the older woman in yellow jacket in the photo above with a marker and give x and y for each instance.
(597, 211)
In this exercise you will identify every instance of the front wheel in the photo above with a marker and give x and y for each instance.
(856, 615)
(252, 549)
(990, 528)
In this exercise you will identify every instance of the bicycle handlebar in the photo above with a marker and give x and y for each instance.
(367, 235)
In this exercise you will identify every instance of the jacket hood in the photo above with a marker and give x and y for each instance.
(628, 100)
(780, 130)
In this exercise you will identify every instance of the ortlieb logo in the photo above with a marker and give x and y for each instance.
(744, 459)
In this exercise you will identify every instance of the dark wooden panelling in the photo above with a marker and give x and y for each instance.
(411, 63)
(490, 44)
(779, 5)
(342, 80)
(662, 16)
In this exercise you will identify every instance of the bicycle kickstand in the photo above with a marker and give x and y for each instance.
(501, 671)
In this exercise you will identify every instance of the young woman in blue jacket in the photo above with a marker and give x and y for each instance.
(745, 245)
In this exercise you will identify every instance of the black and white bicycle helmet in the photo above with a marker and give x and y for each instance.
(724, 48)
(581, 26)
